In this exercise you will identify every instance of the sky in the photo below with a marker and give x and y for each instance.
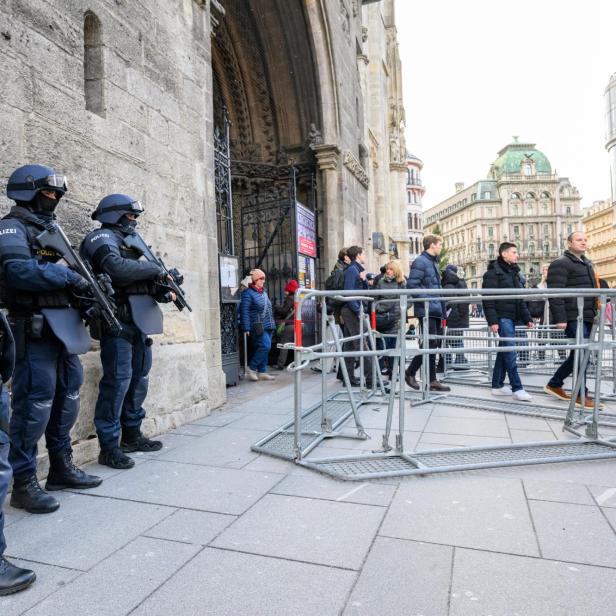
(477, 72)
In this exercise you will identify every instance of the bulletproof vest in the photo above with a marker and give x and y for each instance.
(25, 301)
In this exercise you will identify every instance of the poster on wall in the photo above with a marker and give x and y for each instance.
(306, 231)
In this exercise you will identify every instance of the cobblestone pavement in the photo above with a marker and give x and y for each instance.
(206, 526)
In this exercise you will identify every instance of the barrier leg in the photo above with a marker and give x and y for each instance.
(325, 347)
(425, 360)
(297, 407)
(390, 405)
(401, 370)
(592, 429)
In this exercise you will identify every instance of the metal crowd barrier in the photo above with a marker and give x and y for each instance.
(325, 419)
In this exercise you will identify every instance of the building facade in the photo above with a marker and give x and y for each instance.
(522, 201)
(610, 130)
(220, 116)
(414, 193)
(598, 224)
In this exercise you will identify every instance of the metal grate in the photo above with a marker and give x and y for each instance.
(281, 442)
(440, 461)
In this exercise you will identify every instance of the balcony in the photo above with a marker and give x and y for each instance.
(414, 182)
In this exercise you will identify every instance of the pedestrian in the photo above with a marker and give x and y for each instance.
(382, 271)
(335, 282)
(388, 311)
(285, 331)
(355, 280)
(503, 316)
(12, 578)
(571, 271)
(42, 297)
(457, 315)
(257, 320)
(424, 274)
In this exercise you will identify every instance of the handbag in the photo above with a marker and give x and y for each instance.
(256, 329)
(384, 321)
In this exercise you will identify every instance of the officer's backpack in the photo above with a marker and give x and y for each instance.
(335, 282)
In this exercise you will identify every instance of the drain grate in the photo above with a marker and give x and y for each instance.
(281, 442)
(369, 466)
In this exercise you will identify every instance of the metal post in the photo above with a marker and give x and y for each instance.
(401, 371)
(592, 430)
(361, 346)
(297, 405)
(325, 348)
(579, 336)
(425, 360)
(613, 330)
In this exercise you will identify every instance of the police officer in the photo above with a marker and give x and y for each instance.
(126, 357)
(48, 332)
(12, 578)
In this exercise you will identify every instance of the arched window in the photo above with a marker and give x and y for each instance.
(515, 195)
(545, 195)
(93, 64)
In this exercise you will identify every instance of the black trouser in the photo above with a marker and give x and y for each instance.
(351, 328)
(434, 329)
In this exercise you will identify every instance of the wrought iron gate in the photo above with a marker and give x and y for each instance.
(228, 263)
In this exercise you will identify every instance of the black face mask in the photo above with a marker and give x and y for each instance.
(130, 225)
(45, 205)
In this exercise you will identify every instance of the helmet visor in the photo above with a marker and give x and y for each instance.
(56, 181)
(53, 182)
(135, 208)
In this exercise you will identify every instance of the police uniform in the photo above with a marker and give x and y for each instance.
(38, 293)
(126, 356)
(12, 578)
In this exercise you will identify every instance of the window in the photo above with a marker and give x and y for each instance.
(531, 249)
(487, 194)
(473, 270)
(527, 169)
(473, 196)
(545, 208)
(569, 229)
(408, 196)
(516, 232)
(546, 230)
(531, 230)
(515, 195)
(568, 211)
(490, 251)
(490, 231)
(546, 249)
(545, 195)
(93, 64)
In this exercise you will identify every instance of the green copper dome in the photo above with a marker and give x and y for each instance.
(514, 159)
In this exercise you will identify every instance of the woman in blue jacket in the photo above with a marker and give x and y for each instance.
(257, 320)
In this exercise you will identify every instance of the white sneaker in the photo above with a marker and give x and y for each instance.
(263, 376)
(522, 395)
(251, 375)
(505, 390)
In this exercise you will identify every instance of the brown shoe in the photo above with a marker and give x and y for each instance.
(411, 381)
(438, 386)
(558, 392)
(589, 403)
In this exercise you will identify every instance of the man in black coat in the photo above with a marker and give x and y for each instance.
(571, 271)
(457, 314)
(503, 316)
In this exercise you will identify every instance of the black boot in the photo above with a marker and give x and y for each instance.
(13, 579)
(64, 474)
(133, 440)
(27, 494)
(115, 458)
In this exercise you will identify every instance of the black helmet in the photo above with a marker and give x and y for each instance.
(112, 207)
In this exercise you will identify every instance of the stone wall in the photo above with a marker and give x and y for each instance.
(151, 140)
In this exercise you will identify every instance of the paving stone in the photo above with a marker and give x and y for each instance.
(531, 436)
(441, 409)
(414, 419)
(270, 464)
(119, 583)
(605, 497)
(321, 486)
(48, 580)
(575, 533)
(520, 422)
(440, 441)
(224, 448)
(403, 577)
(309, 530)
(170, 441)
(219, 418)
(505, 585)
(373, 443)
(477, 427)
(190, 486)
(460, 509)
(198, 527)
(232, 584)
(260, 421)
(79, 534)
(563, 492)
(193, 429)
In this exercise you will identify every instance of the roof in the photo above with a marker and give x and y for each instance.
(511, 157)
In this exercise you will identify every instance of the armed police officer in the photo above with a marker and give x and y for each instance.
(41, 295)
(139, 285)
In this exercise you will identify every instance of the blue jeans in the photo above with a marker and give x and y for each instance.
(261, 345)
(566, 368)
(505, 364)
(46, 385)
(126, 361)
(5, 468)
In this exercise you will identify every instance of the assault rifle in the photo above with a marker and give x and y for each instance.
(54, 238)
(174, 279)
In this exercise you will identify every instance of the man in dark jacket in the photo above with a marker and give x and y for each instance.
(355, 279)
(457, 314)
(571, 271)
(503, 316)
(425, 275)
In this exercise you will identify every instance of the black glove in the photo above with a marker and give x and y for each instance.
(78, 284)
(177, 277)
